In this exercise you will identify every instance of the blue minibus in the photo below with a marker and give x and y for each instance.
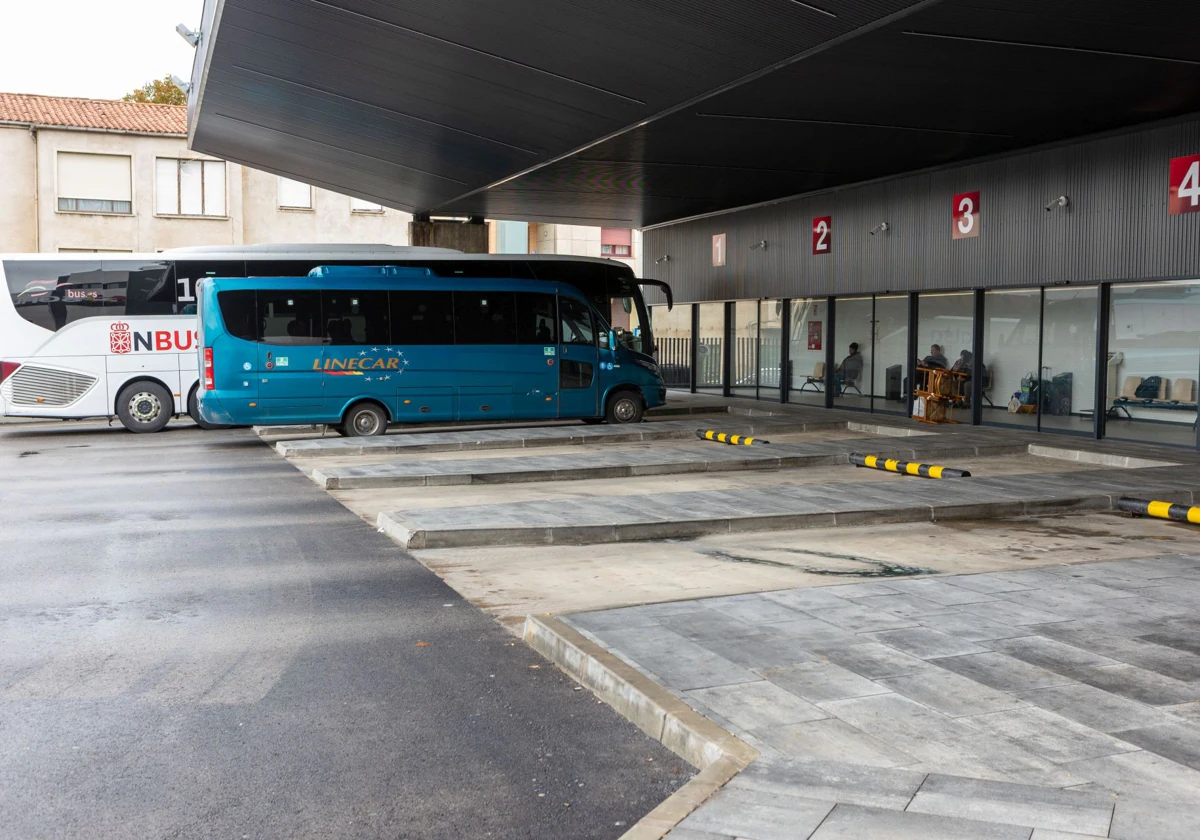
(357, 348)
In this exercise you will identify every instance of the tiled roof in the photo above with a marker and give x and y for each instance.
(113, 115)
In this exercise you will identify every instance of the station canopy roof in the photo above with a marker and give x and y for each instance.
(629, 113)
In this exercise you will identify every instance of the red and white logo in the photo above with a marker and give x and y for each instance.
(120, 339)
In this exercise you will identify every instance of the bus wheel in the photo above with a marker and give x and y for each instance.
(624, 407)
(145, 406)
(365, 419)
(193, 406)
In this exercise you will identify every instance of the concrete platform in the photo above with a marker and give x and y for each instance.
(574, 521)
(1050, 704)
(696, 457)
(529, 437)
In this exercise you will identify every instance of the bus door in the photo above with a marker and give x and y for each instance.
(291, 353)
(579, 361)
(535, 360)
(359, 359)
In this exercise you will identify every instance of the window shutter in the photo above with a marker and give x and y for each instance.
(99, 177)
(190, 180)
(294, 194)
(214, 188)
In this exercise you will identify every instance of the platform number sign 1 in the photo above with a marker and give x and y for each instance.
(966, 215)
(718, 250)
(822, 234)
(1184, 189)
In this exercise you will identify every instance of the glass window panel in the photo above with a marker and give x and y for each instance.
(890, 353)
(356, 317)
(673, 333)
(1154, 338)
(191, 185)
(745, 348)
(806, 350)
(290, 317)
(710, 347)
(853, 328)
(537, 319)
(422, 317)
(770, 341)
(1011, 332)
(214, 188)
(1069, 360)
(485, 318)
(239, 313)
(577, 326)
(166, 186)
(945, 332)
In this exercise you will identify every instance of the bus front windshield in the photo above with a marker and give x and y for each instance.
(628, 318)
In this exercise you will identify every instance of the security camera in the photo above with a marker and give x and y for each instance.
(882, 227)
(188, 35)
(1061, 201)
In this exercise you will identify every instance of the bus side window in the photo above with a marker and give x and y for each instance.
(536, 319)
(485, 318)
(422, 318)
(290, 316)
(356, 317)
(576, 322)
(238, 312)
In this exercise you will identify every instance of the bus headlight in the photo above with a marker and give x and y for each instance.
(650, 366)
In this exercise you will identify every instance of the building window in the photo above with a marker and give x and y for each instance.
(293, 195)
(616, 242)
(189, 187)
(357, 205)
(90, 183)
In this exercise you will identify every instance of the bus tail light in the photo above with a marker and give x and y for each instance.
(208, 369)
(7, 369)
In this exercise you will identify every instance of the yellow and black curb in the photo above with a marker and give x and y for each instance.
(725, 437)
(1160, 510)
(907, 467)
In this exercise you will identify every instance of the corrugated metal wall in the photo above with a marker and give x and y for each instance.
(1116, 228)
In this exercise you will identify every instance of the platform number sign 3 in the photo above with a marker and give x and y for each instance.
(718, 250)
(822, 234)
(1184, 190)
(966, 215)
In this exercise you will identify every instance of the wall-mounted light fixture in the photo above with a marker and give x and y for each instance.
(882, 227)
(664, 258)
(186, 87)
(760, 245)
(1055, 203)
(188, 35)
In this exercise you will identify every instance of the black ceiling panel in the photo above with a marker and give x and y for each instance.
(636, 112)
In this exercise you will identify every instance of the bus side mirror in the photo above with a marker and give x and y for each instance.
(612, 339)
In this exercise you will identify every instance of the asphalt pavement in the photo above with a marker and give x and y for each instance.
(196, 641)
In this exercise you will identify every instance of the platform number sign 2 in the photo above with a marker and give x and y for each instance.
(1184, 189)
(966, 215)
(822, 234)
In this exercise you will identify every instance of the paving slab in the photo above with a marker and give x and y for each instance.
(1136, 818)
(819, 681)
(950, 693)
(1096, 708)
(832, 781)
(740, 812)
(1028, 805)
(1047, 734)
(855, 822)
(1139, 684)
(1179, 742)
(1002, 671)
(756, 705)
(872, 659)
(925, 643)
(831, 740)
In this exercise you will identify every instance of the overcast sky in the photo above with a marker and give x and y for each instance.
(94, 48)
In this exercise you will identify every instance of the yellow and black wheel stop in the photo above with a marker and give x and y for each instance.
(1160, 510)
(907, 467)
(725, 437)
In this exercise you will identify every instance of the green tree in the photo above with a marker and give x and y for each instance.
(161, 91)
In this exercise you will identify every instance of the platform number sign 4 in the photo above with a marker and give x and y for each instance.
(966, 215)
(1184, 190)
(718, 250)
(822, 234)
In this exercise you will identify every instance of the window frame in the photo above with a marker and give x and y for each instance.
(375, 210)
(58, 198)
(158, 211)
(293, 208)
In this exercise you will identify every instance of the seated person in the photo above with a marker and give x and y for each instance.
(935, 359)
(963, 365)
(850, 369)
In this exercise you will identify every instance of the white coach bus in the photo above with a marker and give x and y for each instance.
(114, 335)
